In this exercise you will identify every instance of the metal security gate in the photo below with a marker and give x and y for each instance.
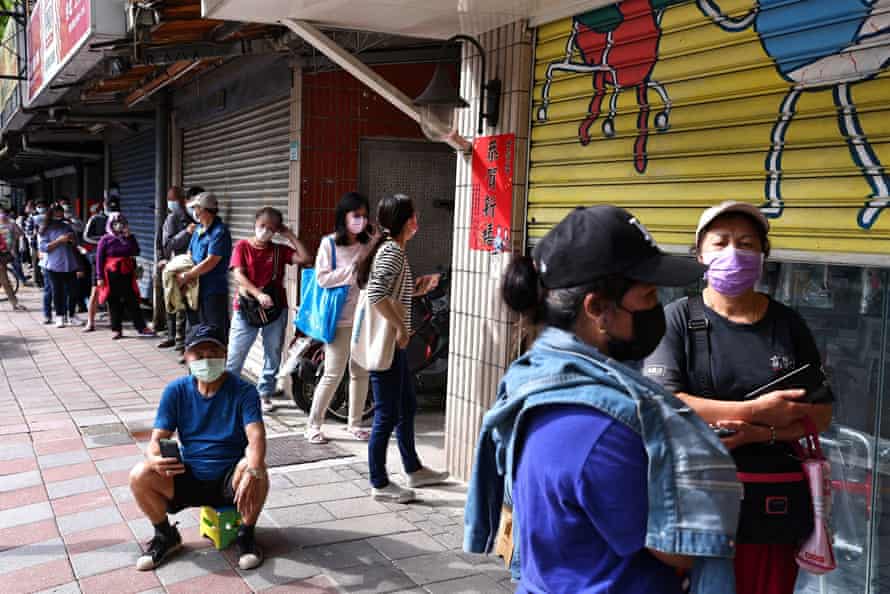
(243, 159)
(133, 168)
(668, 106)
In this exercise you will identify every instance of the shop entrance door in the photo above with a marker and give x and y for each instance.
(426, 172)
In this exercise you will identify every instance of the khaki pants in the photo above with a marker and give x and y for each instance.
(7, 286)
(336, 356)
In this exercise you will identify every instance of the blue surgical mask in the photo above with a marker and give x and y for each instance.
(41, 210)
(173, 206)
(207, 370)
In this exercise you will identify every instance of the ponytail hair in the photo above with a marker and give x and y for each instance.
(393, 213)
(522, 291)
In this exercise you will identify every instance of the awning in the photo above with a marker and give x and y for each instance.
(417, 18)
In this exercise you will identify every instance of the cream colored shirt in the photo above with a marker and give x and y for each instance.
(348, 258)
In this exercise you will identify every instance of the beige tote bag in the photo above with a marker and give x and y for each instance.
(373, 342)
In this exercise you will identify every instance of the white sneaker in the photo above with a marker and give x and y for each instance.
(75, 321)
(392, 493)
(60, 322)
(426, 477)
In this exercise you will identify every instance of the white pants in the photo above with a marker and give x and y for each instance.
(336, 356)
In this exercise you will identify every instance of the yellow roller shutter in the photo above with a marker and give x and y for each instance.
(666, 107)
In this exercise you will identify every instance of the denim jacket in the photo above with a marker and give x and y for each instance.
(693, 495)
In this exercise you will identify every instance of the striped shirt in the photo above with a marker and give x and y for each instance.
(385, 272)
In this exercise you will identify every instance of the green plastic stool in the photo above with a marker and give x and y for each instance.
(220, 525)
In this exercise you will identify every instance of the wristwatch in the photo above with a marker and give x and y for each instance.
(258, 473)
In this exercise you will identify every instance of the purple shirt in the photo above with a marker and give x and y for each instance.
(114, 246)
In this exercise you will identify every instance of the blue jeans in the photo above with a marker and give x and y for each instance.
(242, 337)
(395, 405)
(47, 297)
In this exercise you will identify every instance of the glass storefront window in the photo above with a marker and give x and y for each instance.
(846, 308)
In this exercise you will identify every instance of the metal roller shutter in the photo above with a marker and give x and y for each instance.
(133, 168)
(668, 106)
(243, 159)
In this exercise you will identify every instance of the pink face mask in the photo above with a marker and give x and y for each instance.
(733, 272)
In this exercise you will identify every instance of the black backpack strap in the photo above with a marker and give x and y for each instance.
(698, 330)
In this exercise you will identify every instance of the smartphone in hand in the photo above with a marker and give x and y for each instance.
(170, 449)
(723, 431)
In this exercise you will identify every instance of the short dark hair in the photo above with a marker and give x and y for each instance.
(194, 191)
(349, 202)
(523, 292)
(272, 213)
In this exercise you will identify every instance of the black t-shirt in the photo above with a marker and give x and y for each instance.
(743, 358)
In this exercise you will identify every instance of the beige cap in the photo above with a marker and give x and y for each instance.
(730, 206)
(204, 200)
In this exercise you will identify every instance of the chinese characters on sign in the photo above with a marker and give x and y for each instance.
(56, 30)
(492, 208)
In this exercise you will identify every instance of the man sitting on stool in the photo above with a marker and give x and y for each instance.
(217, 415)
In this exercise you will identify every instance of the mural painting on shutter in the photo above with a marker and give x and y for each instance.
(668, 106)
(243, 158)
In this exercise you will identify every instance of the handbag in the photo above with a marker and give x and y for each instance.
(320, 308)
(250, 307)
(373, 341)
(816, 554)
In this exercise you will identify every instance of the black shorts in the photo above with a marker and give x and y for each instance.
(189, 491)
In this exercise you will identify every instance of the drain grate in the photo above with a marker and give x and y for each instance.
(293, 449)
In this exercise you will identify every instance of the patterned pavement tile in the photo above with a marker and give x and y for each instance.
(118, 478)
(97, 538)
(87, 520)
(82, 502)
(58, 446)
(320, 584)
(63, 458)
(115, 451)
(19, 497)
(20, 480)
(26, 534)
(69, 588)
(76, 486)
(30, 555)
(225, 581)
(71, 471)
(106, 559)
(25, 514)
(40, 577)
(121, 581)
(17, 466)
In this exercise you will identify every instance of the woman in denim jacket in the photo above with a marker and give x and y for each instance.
(614, 482)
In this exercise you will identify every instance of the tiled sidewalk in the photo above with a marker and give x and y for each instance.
(75, 411)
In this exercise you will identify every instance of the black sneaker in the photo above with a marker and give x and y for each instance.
(250, 556)
(166, 344)
(159, 549)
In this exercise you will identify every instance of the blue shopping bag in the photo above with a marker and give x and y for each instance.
(320, 308)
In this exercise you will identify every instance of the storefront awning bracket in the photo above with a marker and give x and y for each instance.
(363, 73)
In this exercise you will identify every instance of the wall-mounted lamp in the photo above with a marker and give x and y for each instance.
(439, 100)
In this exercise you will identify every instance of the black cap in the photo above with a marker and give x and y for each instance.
(113, 203)
(599, 241)
(204, 333)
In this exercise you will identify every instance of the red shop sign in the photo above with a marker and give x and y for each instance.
(492, 211)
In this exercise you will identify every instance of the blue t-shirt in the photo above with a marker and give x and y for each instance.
(214, 241)
(580, 503)
(211, 430)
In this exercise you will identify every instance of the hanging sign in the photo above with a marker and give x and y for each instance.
(492, 210)
(56, 30)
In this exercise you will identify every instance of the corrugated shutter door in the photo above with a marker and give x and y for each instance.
(133, 168)
(243, 159)
(781, 104)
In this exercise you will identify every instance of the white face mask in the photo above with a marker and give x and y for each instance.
(262, 234)
(356, 224)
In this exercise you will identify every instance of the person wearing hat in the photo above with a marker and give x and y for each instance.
(93, 233)
(176, 236)
(211, 250)
(751, 340)
(222, 459)
(614, 483)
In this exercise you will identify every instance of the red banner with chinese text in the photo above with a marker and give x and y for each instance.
(492, 185)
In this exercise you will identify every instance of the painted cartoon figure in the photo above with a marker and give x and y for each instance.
(619, 45)
(853, 45)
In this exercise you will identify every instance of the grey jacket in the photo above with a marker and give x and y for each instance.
(175, 236)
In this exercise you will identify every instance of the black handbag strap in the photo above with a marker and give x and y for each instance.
(700, 341)
(274, 262)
